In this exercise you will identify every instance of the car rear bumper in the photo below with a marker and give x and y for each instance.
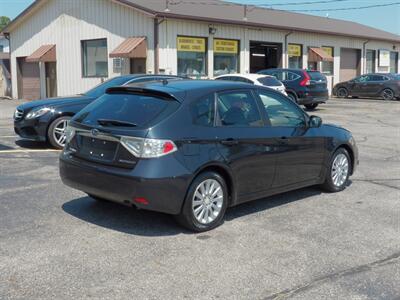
(313, 99)
(162, 194)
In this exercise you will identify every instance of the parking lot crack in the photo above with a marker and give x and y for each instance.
(392, 259)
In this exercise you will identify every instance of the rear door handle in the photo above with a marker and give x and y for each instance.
(283, 140)
(229, 142)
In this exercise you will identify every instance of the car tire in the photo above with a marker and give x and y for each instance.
(387, 94)
(292, 97)
(339, 171)
(56, 132)
(342, 93)
(200, 212)
(311, 106)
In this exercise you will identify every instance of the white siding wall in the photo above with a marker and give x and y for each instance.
(66, 23)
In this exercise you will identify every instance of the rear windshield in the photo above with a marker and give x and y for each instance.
(138, 109)
(317, 76)
(269, 81)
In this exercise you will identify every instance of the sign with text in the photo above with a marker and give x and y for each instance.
(294, 50)
(191, 44)
(328, 50)
(226, 46)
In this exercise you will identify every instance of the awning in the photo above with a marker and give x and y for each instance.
(45, 53)
(318, 54)
(134, 47)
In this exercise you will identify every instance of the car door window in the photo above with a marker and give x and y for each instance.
(203, 111)
(281, 111)
(362, 78)
(238, 108)
(377, 78)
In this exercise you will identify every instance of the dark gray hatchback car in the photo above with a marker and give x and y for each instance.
(385, 86)
(194, 148)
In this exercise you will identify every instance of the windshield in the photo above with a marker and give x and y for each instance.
(396, 76)
(100, 89)
(269, 81)
(126, 110)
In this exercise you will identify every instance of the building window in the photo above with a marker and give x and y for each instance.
(370, 63)
(295, 53)
(94, 58)
(192, 56)
(394, 62)
(1, 48)
(226, 57)
(327, 66)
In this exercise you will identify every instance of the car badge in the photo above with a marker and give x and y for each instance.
(95, 132)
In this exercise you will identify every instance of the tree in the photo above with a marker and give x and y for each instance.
(4, 22)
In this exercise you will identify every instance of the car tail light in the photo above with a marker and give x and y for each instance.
(306, 80)
(141, 200)
(148, 148)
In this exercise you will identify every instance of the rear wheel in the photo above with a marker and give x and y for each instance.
(56, 133)
(342, 92)
(205, 203)
(339, 171)
(311, 106)
(387, 94)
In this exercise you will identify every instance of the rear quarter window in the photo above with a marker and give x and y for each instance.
(143, 110)
(269, 81)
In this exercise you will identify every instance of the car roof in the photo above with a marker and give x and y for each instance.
(133, 76)
(253, 76)
(182, 89)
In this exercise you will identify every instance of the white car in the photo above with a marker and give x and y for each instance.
(257, 79)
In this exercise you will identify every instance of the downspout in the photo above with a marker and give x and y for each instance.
(365, 56)
(157, 23)
(286, 60)
(8, 37)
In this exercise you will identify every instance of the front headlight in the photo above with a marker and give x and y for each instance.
(36, 113)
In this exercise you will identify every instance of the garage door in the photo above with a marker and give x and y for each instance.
(349, 63)
(28, 80)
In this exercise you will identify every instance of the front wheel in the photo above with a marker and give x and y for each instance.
(339, 171)
(205, 203)
(56, 133)
(311, 106)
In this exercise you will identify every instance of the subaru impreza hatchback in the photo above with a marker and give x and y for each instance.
(194, 148)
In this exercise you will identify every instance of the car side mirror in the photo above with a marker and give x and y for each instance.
(315, 122)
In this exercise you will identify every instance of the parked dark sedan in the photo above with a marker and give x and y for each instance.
(308, 88)
(386, 86)
(46, 120)
(194, 148)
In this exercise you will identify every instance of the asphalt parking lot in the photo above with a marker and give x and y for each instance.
(56, 243)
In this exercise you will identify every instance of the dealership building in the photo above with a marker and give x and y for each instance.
(63, 47)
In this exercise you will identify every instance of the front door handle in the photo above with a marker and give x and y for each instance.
(229, 142)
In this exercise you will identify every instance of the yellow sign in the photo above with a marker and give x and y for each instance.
(225, 46)
(191, 44)
(294, 50)
(328, 50)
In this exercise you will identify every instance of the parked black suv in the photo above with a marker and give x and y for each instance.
(386, 86)
(193, 148)
(308, 88)
(46, 120)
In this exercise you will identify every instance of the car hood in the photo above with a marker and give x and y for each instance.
(329, 125)
(54, 102)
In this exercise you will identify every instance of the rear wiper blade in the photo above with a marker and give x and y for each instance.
(106, 122)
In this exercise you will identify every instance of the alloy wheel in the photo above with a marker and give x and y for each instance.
(59, 132)
(342, 93)
(207, 201)
(340, 170)
(388, 94)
